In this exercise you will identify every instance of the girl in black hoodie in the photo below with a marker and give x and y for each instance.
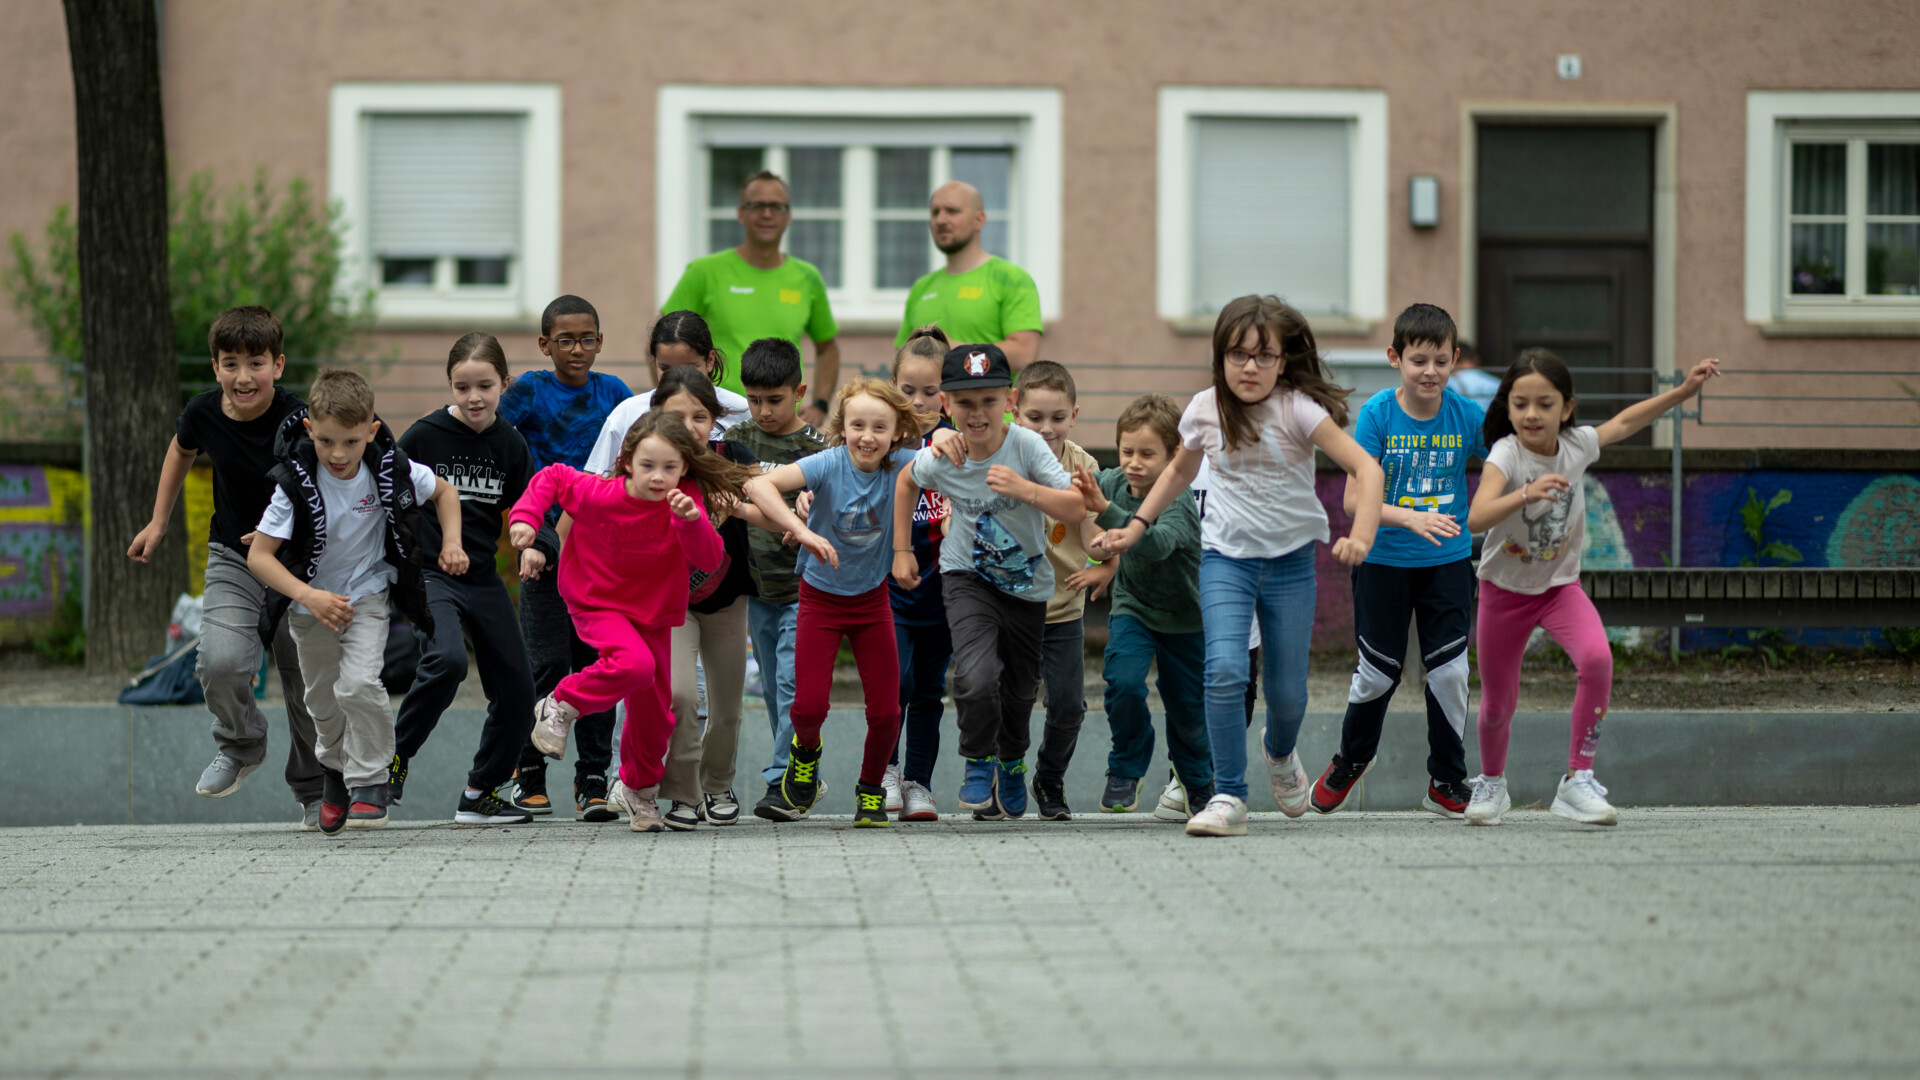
(486, 459)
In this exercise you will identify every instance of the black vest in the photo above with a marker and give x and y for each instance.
(296, 474)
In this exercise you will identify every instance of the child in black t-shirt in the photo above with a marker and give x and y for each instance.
(235, 427)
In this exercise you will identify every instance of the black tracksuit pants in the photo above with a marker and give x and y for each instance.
(482, 613)
(1438, 599)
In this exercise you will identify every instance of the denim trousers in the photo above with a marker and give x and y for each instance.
(1279, 592)
(773, 628)
(924, 652)
(1132, 647)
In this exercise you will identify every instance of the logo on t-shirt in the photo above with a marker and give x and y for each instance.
(789, 296)
(929, 296)
(368, 503)
(970, 292)
(1548, 522)
(741, 290)
(859, 526)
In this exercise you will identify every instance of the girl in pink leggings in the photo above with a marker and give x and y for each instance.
(1531, 507)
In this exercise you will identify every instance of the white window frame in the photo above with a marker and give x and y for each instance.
(534, 276)
(1180, 109)
(1036, 196)
(1776, 118)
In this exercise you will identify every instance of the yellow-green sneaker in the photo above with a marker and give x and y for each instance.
(871, 811)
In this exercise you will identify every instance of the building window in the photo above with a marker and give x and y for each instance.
(450, 193)
(1273, 191)
(861, 166)
(1833, 207)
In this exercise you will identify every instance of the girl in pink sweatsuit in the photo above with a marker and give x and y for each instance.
(623, 573)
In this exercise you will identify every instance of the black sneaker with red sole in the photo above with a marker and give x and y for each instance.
(368, 808)
(1336, 782)
(334, 802)
(1448, 800)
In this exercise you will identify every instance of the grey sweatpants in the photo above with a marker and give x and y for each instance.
(229, 659)
(352, 724)
(702, 762)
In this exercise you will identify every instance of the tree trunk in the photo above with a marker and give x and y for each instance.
(126, 322)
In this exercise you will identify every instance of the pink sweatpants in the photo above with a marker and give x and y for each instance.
(1506, 620)
(635, 665)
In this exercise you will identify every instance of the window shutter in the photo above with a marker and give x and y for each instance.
(1270, 212)
(444, 185)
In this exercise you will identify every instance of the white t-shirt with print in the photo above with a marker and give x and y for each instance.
(606, 448)
(354, 562)
(1261, 502)
(1538, 546)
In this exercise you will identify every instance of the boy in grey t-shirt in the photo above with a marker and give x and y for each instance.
(994, 577)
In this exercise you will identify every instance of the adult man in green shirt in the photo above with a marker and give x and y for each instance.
(757, 291)
(978, 299)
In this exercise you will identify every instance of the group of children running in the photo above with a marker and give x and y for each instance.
(942, 520)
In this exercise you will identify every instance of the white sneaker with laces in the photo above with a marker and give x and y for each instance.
(917, 802)
(1490, 800)
(1224, 815)
(641, 806)
(1292, 787)
(890, 780)
(552, 718)
(1173, 802)
(1582, 799)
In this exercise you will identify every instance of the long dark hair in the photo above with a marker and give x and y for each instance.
(688, 328)
(1539, 362)
(1284, 330)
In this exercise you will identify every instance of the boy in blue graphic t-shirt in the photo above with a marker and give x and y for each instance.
(1421, 564)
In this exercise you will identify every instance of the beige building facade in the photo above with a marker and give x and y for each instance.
(1634, 185)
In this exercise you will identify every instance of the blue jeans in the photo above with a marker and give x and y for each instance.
(924, 653)
(1233, 592)
(772, 628)
(1131, 648)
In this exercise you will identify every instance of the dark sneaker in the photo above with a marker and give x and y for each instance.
(992, 811)
(396, 778)
(1122, 795)
(530, 791)
(683, 816)
(801, 782)
(870, 809)
(488, 808)
(774, 806)
(721, 809)
(1336, 783)
(368, 807)
(333, 802)
(1199, 797)
(1050, 800)
(1447, 800)
(590, 800)
(1010, 788)
(976, 785)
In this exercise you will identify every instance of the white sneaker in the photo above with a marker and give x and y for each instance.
(552, 718)
(890, 780)
(641, 806)
(1582, 799)
(917, 802)
(1291, 785)
(1490, 800)
(1173, 802)
(1224, 815)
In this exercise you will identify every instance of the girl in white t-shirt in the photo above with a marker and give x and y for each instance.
(1256, 428)
(1529, 504)
(679, 339)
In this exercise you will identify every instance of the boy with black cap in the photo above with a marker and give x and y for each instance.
(995, 578)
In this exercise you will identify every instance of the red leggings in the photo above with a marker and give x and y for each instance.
(866, 621)
(635, 665)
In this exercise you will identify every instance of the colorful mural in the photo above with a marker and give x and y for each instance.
(42, 547)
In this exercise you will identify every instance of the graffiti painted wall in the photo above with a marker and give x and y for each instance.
(42, 547)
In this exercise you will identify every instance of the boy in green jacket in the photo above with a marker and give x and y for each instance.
(1156, 612)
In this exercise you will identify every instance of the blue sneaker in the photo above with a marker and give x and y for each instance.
(1013, 787)
(976, 787)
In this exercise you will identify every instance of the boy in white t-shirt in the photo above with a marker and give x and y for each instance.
(351, 497)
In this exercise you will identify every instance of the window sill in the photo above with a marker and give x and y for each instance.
(1324, 326)
(1841, 328)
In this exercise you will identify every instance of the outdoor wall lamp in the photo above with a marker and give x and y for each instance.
(1423, 201)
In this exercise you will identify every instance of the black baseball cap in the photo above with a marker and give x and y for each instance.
(969, 367)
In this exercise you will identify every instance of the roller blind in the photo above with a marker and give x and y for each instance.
(444, 184)
(1270, 211)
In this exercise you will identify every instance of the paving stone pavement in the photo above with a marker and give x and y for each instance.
(1684, 942)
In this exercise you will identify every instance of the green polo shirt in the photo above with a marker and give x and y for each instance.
(743, 303)
(979, 307)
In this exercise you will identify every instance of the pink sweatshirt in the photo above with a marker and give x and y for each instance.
(624, 554)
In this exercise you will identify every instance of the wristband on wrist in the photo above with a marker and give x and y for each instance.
(1143, 521)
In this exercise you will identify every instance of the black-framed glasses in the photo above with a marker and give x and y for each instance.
(1265, 361)
(589, 343)
(775, 208)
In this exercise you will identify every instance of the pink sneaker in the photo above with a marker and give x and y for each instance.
(552, 718)
(1291, 787)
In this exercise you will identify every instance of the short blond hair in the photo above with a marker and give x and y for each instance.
(342, 396)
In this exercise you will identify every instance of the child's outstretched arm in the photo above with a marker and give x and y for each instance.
(446, 506)
(548, 486)
(1630, 420)
(173, 473)
(1061, 504)
(765, 490)
(1365, 480)
(1493, 504)
(1432, 524)
(906, 496)
(1177, 478)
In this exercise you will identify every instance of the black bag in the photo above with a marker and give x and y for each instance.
(168, 679)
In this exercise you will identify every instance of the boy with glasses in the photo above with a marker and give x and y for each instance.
(560, 413)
